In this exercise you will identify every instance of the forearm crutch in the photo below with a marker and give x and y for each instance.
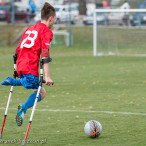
(35, 103)
(10, 94)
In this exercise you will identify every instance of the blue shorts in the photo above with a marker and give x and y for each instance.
(30, 81)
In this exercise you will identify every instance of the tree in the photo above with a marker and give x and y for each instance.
(82, 7)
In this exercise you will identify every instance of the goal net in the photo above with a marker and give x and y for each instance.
(119, 32)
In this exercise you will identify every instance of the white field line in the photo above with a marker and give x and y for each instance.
(82, 111)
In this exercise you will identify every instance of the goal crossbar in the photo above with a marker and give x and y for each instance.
(119, 10)
(95, 24)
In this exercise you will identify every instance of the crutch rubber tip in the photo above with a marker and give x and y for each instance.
(0, 136)
(23, 142)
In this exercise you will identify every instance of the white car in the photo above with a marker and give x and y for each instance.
(100, 19)
(2, 15)
(63, 14)
(115, 18)
(37, 17)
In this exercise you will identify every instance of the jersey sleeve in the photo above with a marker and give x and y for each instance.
(46, 40)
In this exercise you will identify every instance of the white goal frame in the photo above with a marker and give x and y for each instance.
(95, 49)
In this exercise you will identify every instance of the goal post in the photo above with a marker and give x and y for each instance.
(105, 26)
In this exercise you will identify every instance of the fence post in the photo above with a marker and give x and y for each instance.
(9, 39)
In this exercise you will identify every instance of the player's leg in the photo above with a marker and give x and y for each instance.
(30, 101)
(22, 107)
(43, 93)
(11, 81)
(29, 81)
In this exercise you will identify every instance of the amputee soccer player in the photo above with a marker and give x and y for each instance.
(35, 42)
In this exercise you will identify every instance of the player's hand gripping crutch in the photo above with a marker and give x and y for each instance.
(35, 103)
(10, 94)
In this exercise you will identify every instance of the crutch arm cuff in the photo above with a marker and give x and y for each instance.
(46, 60)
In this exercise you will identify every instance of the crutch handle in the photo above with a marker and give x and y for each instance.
(45, 82)
(15, 66)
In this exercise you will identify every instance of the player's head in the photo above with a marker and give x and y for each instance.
(48, 14)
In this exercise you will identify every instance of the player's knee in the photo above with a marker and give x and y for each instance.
(43, 93)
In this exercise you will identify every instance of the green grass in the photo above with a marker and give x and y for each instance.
(82, 83)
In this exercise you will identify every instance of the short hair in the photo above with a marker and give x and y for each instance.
(47, 11)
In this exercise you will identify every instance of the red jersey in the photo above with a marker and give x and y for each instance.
(35, 42)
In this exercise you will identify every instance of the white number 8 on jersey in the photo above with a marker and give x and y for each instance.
(32, 39)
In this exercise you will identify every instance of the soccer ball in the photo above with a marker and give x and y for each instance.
(93, 129)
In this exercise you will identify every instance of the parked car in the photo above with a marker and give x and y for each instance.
(37, 17)
(90, 8)
(63, 14)
(134, 18)
(100, 19)
(115, 18)
(2, 15)
(4, 11)
(21, 15)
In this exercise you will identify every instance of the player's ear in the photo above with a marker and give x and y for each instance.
(50, 18)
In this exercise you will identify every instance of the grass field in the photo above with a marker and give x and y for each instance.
(83, 84)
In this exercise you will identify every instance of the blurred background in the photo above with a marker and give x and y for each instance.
(17, 15)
